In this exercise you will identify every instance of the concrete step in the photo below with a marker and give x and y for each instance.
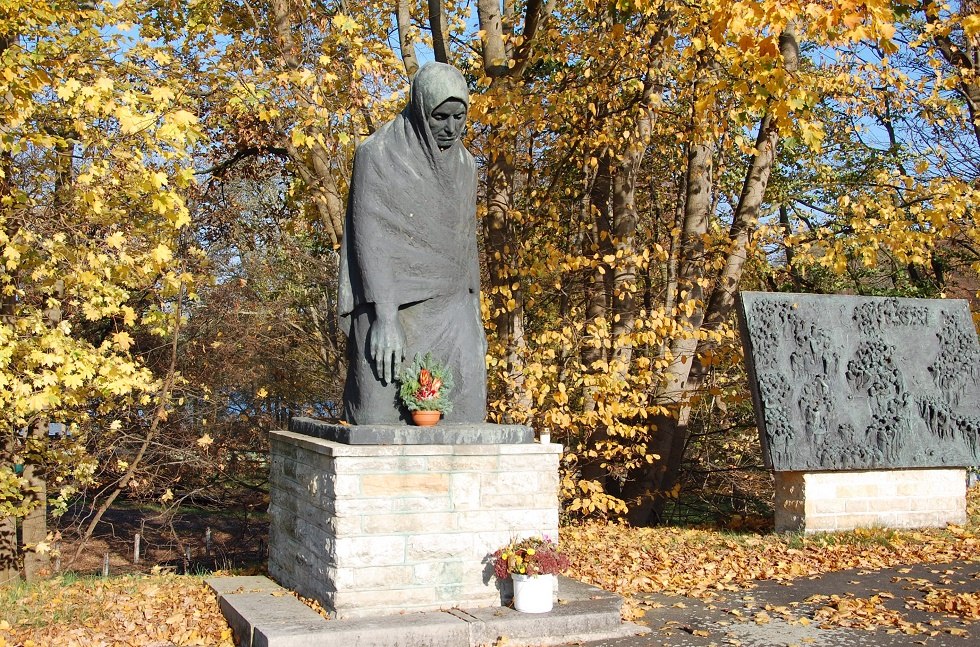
(263, 614)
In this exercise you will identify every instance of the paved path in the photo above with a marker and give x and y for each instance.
(773, 614)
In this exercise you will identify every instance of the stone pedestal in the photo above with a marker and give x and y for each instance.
(381, 529)
(829, 501)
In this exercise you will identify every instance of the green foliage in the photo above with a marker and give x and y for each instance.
(425, 385)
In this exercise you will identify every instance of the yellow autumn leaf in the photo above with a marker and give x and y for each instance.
(344, 23)
(162, 95)
(129, 122)
(115, 240)
(123, 340)
(158, 179)
(971, 25)
(42, 548)
(182, 118)
(161, 254)
(68, 89)
(180, 217)
(129, 315)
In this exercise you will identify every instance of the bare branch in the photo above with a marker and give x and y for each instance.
(243, 153)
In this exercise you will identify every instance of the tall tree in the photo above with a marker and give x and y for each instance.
(505, 55)
(93, 208)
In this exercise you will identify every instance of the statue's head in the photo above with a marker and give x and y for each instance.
(440, 99)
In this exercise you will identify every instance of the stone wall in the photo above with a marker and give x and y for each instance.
(372, 530)
(829, 501)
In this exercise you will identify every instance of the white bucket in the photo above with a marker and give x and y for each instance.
(533, 594)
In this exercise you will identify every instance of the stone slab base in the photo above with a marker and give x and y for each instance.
(262, 614)
(440, 434)
(829, 501)
(370, 530)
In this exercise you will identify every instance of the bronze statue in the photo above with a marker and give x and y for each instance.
(409, 269)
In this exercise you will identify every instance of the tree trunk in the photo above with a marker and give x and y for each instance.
(964, 56)
(403, 19)
(597, 300)
(686, 373)
(746, 217)
(9, 553)
(670, 432)
(611, 298)
(625, 219)
(670, 279)
(440, 30)
(315, 167)
(34, 528)
(9, 566)
(743, 224)
(492, 37)
(506, 293)
(501, 246)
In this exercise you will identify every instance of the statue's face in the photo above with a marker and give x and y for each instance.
(446, 122)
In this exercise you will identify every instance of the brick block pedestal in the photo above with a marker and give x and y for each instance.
(909, 498)
(372, 530)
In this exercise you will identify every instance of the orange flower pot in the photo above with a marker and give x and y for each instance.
(426, 418)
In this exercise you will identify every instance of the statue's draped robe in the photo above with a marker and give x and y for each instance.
(410, 240)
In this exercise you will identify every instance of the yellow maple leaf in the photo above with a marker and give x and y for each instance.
(161, 254)
(128, 121)
(182, 118)
(68, 89)
(205, 440)
(115, 240)
(122, 340)
(971, 24)
(162, 95)
(129, 315)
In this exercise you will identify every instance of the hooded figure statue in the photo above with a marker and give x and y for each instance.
(409, 268)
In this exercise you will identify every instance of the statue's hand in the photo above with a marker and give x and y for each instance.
(387, 342)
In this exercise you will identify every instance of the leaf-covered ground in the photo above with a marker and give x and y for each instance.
(699, 562)
(153, 610)
(704, 563)
(164, 610)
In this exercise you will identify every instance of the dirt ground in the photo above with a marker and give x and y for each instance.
(180, 540)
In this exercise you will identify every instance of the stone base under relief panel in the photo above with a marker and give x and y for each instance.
(829, 501)
(441, 434)
(373, 530)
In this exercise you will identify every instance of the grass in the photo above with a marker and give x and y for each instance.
(20, 602)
